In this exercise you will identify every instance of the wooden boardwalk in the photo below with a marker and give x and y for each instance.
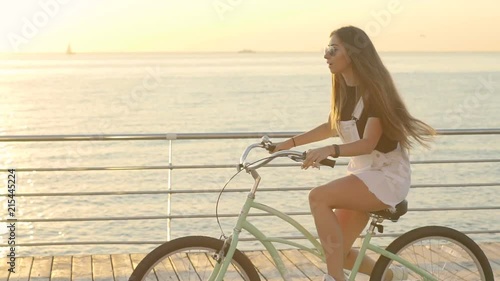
(302, 265)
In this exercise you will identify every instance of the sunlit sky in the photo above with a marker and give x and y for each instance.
(232, 25)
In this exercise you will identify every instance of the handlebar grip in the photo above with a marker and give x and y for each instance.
(271, 147)
(328, 162)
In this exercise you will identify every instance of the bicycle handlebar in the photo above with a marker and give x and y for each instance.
(269, 146)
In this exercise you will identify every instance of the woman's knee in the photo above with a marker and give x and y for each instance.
(318, 197)
(314, 195)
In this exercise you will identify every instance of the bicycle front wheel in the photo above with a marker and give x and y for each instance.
(191, 258)
(445, 253)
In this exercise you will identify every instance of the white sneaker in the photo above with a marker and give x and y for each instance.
(399, 273)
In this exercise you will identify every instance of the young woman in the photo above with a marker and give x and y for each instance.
(376, 131)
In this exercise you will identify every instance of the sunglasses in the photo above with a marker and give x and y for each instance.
(331, 50)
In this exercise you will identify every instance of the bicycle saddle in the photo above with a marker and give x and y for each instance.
(401, 209)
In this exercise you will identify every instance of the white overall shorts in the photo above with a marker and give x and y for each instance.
(387, 175)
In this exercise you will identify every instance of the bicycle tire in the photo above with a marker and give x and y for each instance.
(458, 245)
(171, 257)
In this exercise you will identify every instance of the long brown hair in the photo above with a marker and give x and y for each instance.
(376, 87)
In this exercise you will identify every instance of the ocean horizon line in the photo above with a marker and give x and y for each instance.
(234, 52)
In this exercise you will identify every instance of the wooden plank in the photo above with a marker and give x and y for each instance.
(136, 259)
(202, 265)
(492, 251)
(183, 267)
(122, 266)
(82, 268)
(301, 262)
(61, 268)
(249, 254)
(261, 276)
(40, 270)
(22, 270)
(4, 268)
(265, 266)
(101, 268)
(314, 260)
(165, 271)
(293, 272)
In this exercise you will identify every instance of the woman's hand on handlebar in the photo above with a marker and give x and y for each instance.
(314, 156)
(285, 145)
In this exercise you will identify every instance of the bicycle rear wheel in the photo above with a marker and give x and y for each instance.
(445, 253)
(191, 258)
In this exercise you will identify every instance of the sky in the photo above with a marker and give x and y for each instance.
(231, 25)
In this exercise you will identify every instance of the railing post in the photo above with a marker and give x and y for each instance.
(169, 188)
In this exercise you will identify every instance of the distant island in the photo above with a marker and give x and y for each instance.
(246, 51)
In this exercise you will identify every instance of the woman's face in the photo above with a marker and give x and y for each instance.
(336, 56)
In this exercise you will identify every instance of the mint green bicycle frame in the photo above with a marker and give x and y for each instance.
(242, 223)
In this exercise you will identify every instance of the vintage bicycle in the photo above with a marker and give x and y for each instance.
(428, 253)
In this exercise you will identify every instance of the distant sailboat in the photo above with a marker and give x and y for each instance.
(246, 51)
(69, 51)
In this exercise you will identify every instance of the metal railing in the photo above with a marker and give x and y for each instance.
(171, 191)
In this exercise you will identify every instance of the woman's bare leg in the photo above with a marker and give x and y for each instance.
(352, 223)
(344, 193)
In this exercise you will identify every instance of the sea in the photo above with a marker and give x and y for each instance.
(159, 93)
